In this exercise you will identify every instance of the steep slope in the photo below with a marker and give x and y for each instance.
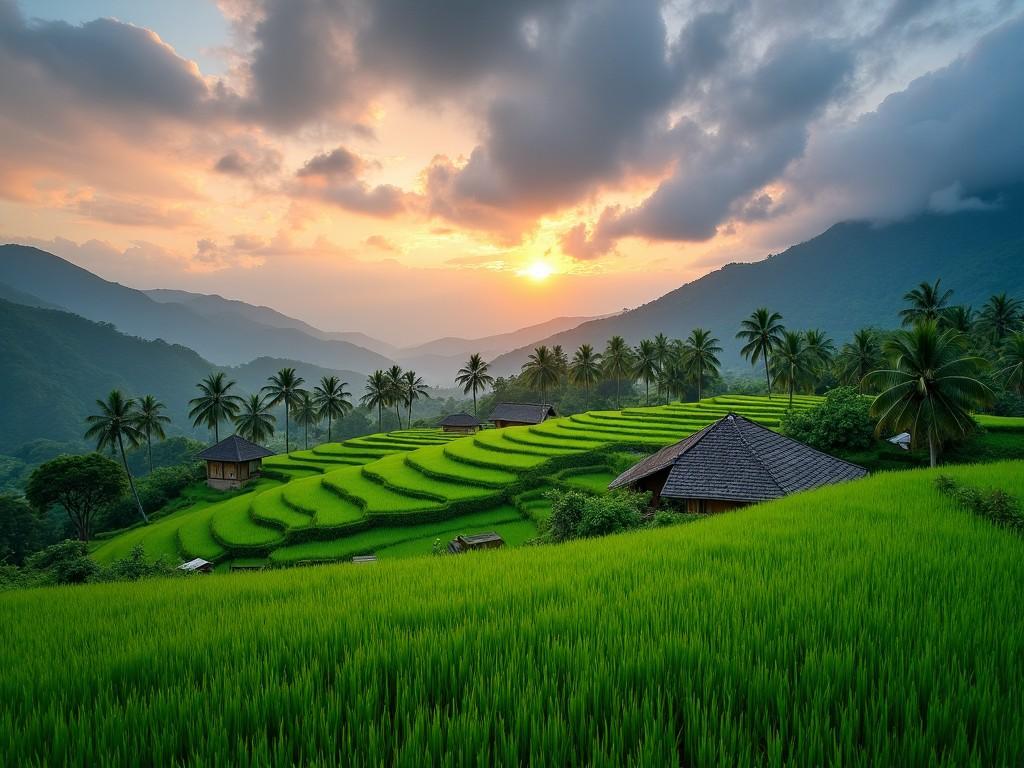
(228, 339)
(852, 275)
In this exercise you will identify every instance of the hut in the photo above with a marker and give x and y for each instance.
(461, 423)
(520, 414)
(489, 540)
(731, 463)
(233, 462)
(197, 566)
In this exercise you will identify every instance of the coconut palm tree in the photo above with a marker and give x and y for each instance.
(216, 403)
(762, 331)
(473, 377)
(646, 365)
(617, 362)
(700, 356)
(306, 415)
(116, 423)
(332, 400)
(1012, 359)
(1000, 317)
(285, 387)
(561, 357)
(859, 357)
(930, 389)
(542, 369)
(662, 351)
(396, 390)
(378, 390)
(150, 421)
(959, 318)
(793, 365)
(585, 369)
(415, 388)
(927, 302)
(254, 421)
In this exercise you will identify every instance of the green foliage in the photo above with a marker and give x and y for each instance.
(81, 485)
(156, 490)
(994, 504)
(576, 514)
(66, 562)
(21, 530)
(841, 423)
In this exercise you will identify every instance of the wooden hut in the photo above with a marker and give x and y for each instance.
(233, 462)
(462, 423)
(198, 565)
(489, 540)
(520, 414)
(731, 463)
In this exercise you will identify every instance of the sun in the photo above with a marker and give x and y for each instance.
(538, 270)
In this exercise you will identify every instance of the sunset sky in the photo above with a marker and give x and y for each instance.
(419, 169)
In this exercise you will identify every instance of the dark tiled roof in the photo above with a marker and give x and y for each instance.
(234, 448)
(735, 459)
(459, 420)
(526, 413)
(656, 462)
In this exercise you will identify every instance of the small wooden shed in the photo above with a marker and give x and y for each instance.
(520, 414)
(462, 423)
(197, 565)
(489, 540)
(233, 462)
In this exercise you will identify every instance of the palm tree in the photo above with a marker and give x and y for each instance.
(473, 376)
(661, 355)
(617, 361)
(542, 369)
(116, 422)
(646, 365)
(285, 387)
(931, 387)
(415, 388)
(793, 364)
(396, 390)
(585, 369)
(306, 415)
(959, 318)
(561, 357)
(255, 422)
(215, 404)
(1012, 359)
(762, 331)
(819, 346)
(150, 421)
(1000, 317)
(700, 356)
(859, 357)
(378, 390)
(332, 400)
(927, 303)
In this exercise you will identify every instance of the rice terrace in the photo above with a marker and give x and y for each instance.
(573, 383)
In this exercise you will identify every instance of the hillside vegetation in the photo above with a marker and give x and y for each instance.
(871, 623)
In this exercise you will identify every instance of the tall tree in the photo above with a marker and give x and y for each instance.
(1000, 317)
(662, 351)
(116, 423)
(959, 318)
(81, 485)
(378, 390)
(700, 357)
(585, 369)
(821, 349)
(859, 357)
(793, 365)
(217, 403)
(414, 388)
(646, 366)
(306, 415)
(617, 362)
(151, 421)
(332, 400)
(927, 303)
(1012, 360)
(285, 386)
(396, 390)
(255, 422)
(930, 389)
(761, 332)
(542, 369)
(473, 377)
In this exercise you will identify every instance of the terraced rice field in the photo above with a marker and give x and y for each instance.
(317, 503)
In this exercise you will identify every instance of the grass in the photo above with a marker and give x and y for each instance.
(595, 482)
(514, 532)
(372, 497)
(871, 623)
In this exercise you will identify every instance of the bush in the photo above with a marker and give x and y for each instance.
(156, 490)
(841, 423)
(66, 562)
(135, 567)
(577, 514)
(994, 504)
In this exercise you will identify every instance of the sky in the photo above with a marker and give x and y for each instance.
(466, 167)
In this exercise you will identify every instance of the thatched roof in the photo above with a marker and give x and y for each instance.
(234, 448)
(459, 420)
(525, 413)
(736, 459)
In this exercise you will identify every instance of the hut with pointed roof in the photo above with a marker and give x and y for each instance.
(233, 462)
(462, 423)
(520, 414)
(731, 463)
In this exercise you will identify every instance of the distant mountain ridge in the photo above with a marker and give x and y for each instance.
(852, 275)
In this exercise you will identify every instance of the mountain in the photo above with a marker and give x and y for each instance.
(228, 338)
(852, 275)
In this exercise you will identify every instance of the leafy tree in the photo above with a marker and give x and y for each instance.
(959, 318)
(930, 389)
(255, 422)
(762, 331)
(151, 422)
(473, 377)
(378, 390)
(81, 485)
(217, 403)
(396, 390)
(585, 369)
(793, 365)
(1000, 317)
(617, 362)
(1012, 360)
(820, 347)
(646, 365)
(332, 400)
(21, 530)
(859, 357)
(285, 387)
(414, 388)
(66, 562)
(700, 357)
(927, 302)
(561, 358)
(117, 422)
(306, 416)
(841, 423)
(542, 369)
(662, 353)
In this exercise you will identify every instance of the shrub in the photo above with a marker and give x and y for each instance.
(566, 513)
(66, 562)
(994, 504)
(577, 514)
(842, 422)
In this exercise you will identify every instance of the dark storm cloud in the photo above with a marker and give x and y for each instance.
(334, 178)
(336, 163)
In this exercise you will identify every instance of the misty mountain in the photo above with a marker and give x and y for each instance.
(853, 275)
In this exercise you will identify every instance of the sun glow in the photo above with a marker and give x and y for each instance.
(538, 270)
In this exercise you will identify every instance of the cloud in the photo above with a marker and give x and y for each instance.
(338, 163)
(250, 163)
(333, 178)
(382, 243)
(133, 214)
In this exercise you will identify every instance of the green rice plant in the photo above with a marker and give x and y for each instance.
(517, 440)
(435, 462)
(470, 453)
(234, 528)
(397, 474)
(269, 508)
(373, 497)
(515, 533)
(594, 482)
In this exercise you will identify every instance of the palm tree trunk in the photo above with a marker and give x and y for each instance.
(767, 376)
(131, 482)
(791, 390)
(408, 420)
(618, 400)
(475, 414)
(398, 413)
(305, 436)
(933, 453)
(647, 395)
(216, 431)
(287, 449)
(149, 451)
(700, 380)
(380, 417)
(328, 426)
